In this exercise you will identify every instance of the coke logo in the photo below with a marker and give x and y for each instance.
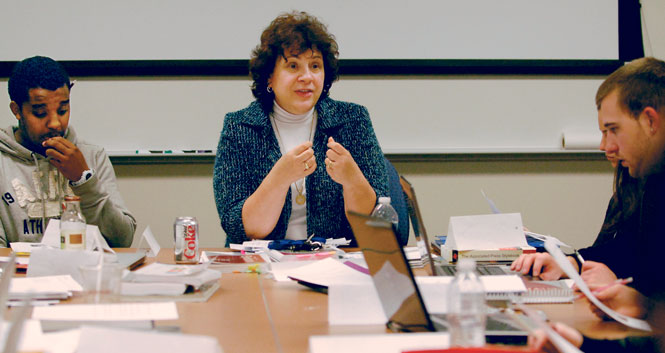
(190, 243)
(191, 233)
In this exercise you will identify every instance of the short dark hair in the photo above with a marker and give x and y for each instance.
(296, 32)
(35, 72)
(639, 84)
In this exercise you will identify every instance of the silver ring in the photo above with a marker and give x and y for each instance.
(306, 166)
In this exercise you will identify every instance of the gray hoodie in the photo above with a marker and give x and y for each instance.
(32, 191)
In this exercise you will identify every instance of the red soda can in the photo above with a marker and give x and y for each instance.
(186, 236)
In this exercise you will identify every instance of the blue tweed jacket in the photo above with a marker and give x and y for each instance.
(248, 149)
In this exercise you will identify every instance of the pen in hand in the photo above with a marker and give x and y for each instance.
(610, 285)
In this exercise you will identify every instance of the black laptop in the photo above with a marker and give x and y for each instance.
(397, 288)
(439, 269)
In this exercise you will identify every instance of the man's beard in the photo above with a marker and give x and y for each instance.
(27, 142)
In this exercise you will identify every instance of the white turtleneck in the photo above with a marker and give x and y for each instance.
(292, 130)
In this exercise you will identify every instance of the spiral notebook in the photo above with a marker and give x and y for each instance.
(542, 292)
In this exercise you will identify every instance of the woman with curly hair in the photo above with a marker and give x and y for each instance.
(294, 161)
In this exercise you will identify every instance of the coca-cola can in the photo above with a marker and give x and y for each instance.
(186, 236)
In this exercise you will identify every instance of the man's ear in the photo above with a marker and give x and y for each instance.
(16, 110)
(651, 121)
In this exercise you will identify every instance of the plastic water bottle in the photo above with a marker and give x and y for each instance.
(466, 307)
(72, 225)
(385, 211)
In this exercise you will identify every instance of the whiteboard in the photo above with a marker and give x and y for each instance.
(440, 114)
(412, 115)
(80, 30)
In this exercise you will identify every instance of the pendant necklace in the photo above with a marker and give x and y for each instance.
(299, 184)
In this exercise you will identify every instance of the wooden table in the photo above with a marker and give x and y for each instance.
(239, 314)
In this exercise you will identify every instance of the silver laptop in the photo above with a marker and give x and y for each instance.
(439, 269)
(402, 303)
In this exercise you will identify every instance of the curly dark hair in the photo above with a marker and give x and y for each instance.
(35, 72)
(295, 33)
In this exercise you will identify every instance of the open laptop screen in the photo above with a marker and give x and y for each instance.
(418, 225)
(390, 273)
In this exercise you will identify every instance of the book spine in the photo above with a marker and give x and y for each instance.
(487, 255)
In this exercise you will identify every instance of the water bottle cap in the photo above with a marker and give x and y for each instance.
(384, 199)
(466, 264)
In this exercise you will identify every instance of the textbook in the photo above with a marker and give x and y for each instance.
(487, 255)
(482, 255)
(225, 261)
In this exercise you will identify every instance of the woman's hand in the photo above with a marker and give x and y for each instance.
(596, 274)
(539, 342)
(541, 265)
(340, 165)
(295, 164)
(358, 193)
(622, 299)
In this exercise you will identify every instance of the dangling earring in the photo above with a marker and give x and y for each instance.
(269, 89)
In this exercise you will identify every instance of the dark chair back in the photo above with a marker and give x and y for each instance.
(398, 201)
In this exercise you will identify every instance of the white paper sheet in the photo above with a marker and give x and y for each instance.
(354, 304)
(52, 236)
(64, 341)
(31, 337)
(20, 260)
(280, 270)
(21, 247)
(328, 272)
(108, 312)
(384, 343)
(152, 242)
(359, 304)
(48, 261)
(492, 231)
(567, 267)
(46, 284)
(105, 340)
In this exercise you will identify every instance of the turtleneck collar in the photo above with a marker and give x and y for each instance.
(283, 116)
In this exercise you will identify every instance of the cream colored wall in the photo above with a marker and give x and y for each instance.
(565, 199)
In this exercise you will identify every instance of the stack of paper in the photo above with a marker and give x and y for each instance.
(102, 340)
(157, 275)
(415, 258)
(43, 288)
(130, 315)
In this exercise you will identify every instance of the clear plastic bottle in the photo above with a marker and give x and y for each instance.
(72, 225)
(385, 211)
(466, 307)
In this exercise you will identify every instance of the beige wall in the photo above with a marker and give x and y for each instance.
(565, 199)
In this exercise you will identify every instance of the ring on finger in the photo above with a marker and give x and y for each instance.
(306, 166)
